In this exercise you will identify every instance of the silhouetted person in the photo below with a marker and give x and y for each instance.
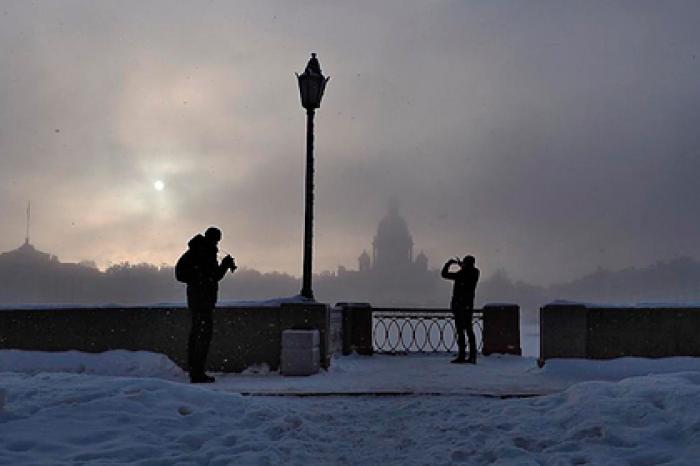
(200, 269)
(462, 304)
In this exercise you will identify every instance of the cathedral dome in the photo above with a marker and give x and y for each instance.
(393, 228)
(393, 244)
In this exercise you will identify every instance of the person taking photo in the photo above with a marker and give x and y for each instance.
(462, 304)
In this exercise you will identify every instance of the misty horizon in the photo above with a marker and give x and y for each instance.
(433, 265)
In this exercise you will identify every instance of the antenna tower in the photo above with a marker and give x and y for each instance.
(29, 212)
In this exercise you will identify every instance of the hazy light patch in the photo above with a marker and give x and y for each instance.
(174, 108)
(159, 185)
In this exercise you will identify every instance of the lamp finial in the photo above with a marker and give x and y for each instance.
(313, 66)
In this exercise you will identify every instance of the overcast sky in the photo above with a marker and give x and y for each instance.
(546, 138)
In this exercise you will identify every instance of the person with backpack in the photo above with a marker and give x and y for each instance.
(465, 280)
(199, 268)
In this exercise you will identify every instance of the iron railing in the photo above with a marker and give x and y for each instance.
(402, 331)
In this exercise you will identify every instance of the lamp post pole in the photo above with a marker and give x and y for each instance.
(312, 83)
(306, 290)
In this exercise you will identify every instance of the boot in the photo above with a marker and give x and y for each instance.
(472, 348)
(459, 359)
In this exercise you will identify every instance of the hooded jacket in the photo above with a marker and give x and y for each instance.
(205, 272)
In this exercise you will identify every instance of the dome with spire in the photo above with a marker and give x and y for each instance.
(26, 254)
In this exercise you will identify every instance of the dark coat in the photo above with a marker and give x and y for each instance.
(206, 272)
(464, 288)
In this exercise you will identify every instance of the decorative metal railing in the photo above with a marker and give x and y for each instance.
(401, 331)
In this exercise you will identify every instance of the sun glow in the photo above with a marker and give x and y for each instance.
(159, 185)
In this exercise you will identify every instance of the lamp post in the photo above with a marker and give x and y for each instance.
(312, 83)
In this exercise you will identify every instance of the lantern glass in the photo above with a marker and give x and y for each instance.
(311, 89)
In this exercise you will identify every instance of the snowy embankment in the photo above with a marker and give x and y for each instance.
(72, 418)
(58, 409)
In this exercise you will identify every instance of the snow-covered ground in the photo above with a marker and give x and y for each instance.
(134, 408)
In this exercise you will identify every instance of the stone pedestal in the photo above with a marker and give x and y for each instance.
(357, 328)
(501, 329)
(301, 354)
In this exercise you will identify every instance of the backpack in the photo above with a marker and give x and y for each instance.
(184, 269)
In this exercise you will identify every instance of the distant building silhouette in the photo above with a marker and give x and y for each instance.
(26, 255)
(29, 275)
(364, 263)
(393, 244)
(392, 248)
(391, 276)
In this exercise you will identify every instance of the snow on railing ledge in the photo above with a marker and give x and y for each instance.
(273, 302)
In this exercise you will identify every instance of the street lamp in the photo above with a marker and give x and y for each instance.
(312, 83)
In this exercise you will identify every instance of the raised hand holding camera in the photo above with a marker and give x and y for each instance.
(454, 260)
(229, 263)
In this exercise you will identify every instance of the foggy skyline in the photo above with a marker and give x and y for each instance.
(546, 138)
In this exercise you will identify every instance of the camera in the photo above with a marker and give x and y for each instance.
(230, 261)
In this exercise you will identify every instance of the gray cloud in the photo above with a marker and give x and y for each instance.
(546, 138)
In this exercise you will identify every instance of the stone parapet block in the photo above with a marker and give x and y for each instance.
(300, 339)
(300, 361)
